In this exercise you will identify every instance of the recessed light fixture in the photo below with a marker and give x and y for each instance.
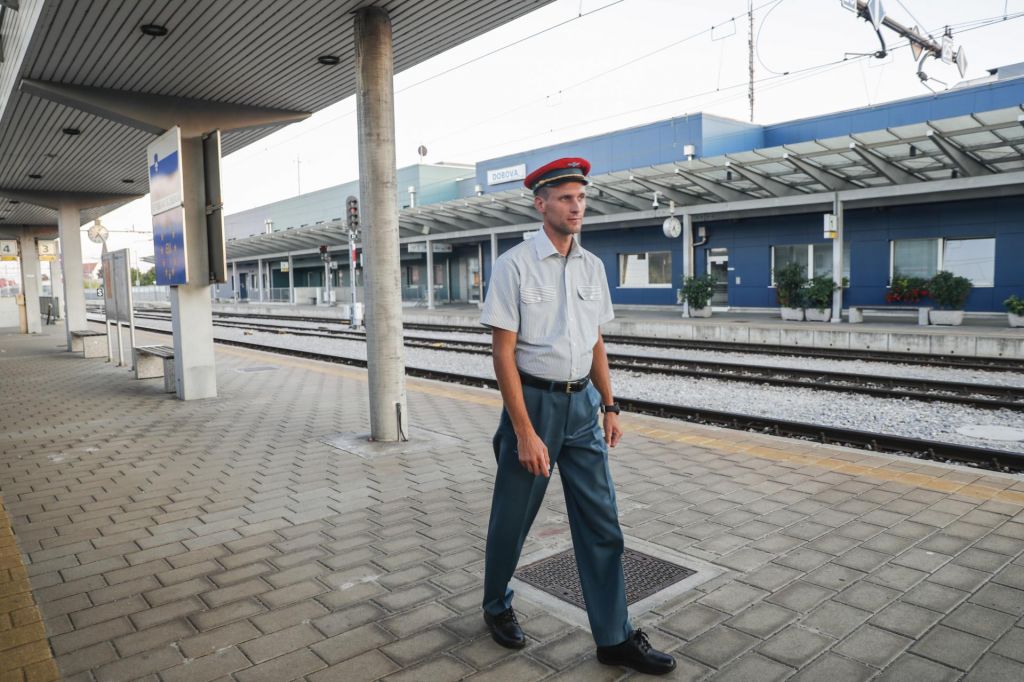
(14, 201)
(127, 181)
(71, 131)
(35, 176)
(154, 30)
(329, 60)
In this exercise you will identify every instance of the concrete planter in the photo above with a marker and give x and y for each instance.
(701, 312)
(815, 315)
(946, 317)
(1016, 320)
(793, 314)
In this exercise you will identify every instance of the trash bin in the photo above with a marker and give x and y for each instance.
(357, 315)
(312, 300)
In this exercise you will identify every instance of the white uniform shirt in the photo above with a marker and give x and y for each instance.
(555, 304)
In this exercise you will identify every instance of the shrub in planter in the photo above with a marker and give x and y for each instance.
(907, 290)
(789, 282)
(818, 298)
(696, 293)
(949, 292)
(1015, 309)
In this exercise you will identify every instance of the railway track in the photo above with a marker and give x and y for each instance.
(883, 386)
(1000, 460)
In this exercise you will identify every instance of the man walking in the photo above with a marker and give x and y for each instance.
(547, 300)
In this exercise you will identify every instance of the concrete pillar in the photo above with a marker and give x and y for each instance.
(837, 262)
(57, 283)
(494, 249)
(69, 225)
(378, 188)
(430, 275)
(191, 309)
(688, 260)
(30, 280)
(291, 280)
(259, 278)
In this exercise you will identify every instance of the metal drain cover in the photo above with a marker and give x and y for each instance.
(257, 368)
(645, 575)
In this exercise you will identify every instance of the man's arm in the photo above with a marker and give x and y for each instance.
(533, 454)
(602, 379)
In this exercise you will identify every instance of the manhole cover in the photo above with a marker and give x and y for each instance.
(257, 368)
(991, 432)
(645, 575)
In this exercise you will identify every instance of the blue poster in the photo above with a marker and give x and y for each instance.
(165, 192)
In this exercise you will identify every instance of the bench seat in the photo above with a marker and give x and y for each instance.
(857, 311)
(91, 344)
(152, 362)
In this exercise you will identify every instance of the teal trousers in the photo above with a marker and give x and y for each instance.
(568, 425)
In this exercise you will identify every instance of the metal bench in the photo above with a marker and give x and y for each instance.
(91, 344)
(857, 312)
(152, 362)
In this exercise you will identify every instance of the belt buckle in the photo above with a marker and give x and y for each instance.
(568, 387)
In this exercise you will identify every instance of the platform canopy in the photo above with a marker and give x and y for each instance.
(261, 56)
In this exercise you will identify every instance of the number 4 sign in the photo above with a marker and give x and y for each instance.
(8, 249)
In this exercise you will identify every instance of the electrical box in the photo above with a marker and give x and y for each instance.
(830, 226)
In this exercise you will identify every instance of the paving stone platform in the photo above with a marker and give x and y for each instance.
(227, 539)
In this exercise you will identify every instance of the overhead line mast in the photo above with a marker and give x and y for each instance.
(750, 55)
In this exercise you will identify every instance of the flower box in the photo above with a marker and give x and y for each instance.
(946, 317)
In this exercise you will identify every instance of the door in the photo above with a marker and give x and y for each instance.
(718, 267)
(243, 290)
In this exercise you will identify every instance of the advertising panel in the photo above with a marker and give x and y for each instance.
(117, 288)
(166, 192)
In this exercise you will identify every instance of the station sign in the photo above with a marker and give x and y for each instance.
(166, 194)
(8, 249)
(47, 249)
(284, 266)
(421, 247)
(502, 175)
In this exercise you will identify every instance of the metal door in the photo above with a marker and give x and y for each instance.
(718, 267)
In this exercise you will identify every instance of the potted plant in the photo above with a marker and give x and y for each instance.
(818, 298)
(909, 290)
(789, 282)
(1015, 309)
(696, 293)
(949, 292)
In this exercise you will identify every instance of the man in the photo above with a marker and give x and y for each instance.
(546, 302)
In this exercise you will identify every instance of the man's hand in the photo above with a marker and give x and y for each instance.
(612, 430)
(533, 455)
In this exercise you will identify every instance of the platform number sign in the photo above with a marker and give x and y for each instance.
(8, 249)
(47, 249)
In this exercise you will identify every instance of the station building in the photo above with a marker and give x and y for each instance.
(928, 183)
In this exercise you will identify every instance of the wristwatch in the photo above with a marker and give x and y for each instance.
(613, 408)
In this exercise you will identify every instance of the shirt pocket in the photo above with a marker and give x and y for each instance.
(589, 292)
(537, 312)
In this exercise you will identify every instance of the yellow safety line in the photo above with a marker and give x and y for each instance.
(24, 650)
(666, 433)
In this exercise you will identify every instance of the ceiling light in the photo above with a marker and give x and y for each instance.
(329, 60)
(35, 176)
(14, 201)
(154, 30)
(71, 131)
(127, 181)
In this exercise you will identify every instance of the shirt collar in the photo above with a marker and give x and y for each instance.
(543, 247)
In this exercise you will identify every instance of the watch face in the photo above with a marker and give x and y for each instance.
(672, 227)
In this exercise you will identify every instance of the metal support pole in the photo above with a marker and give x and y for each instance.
(234, 276)
(837, 261)
(57, 284)
(352, 320)
(688, 261)
(430, 275)
(494, 248)
(480, 271)
(69, 225)
(291, 280)
(378, 188)
(327, 279)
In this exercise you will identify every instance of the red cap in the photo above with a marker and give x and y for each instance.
(572, 169)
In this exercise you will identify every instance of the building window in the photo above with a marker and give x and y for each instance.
(412, 276)
(815, 259)
(974, 259)
(652, 269)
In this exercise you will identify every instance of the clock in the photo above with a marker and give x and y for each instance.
(672, 227)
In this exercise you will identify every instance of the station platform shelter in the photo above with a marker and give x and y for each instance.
(258, 537)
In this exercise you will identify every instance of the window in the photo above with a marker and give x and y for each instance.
(816, 259)
(652, 269)
(412, 276)
(974, 259)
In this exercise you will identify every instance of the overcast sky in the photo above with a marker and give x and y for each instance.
(602, 65)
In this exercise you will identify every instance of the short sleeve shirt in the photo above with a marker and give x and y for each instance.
(555, 304)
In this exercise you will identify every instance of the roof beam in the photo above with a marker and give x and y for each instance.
(625, 197)
(158, 113)
(719, 190)
(896, 174)
(830, 180)
(770, 185)
(51, 199)
(965, 163)
(677, 195)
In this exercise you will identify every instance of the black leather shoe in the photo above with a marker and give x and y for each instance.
(505, 629)
(637, 653)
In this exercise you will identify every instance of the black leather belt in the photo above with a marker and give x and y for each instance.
(555, 386)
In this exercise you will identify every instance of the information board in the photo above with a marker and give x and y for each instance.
(166, 192)
(47, 249)
(8, 249)
(117, 289)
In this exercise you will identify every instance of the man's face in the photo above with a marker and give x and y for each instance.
(562, 207)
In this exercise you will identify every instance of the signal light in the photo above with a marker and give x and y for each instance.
(352, 213)
(323, 248)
